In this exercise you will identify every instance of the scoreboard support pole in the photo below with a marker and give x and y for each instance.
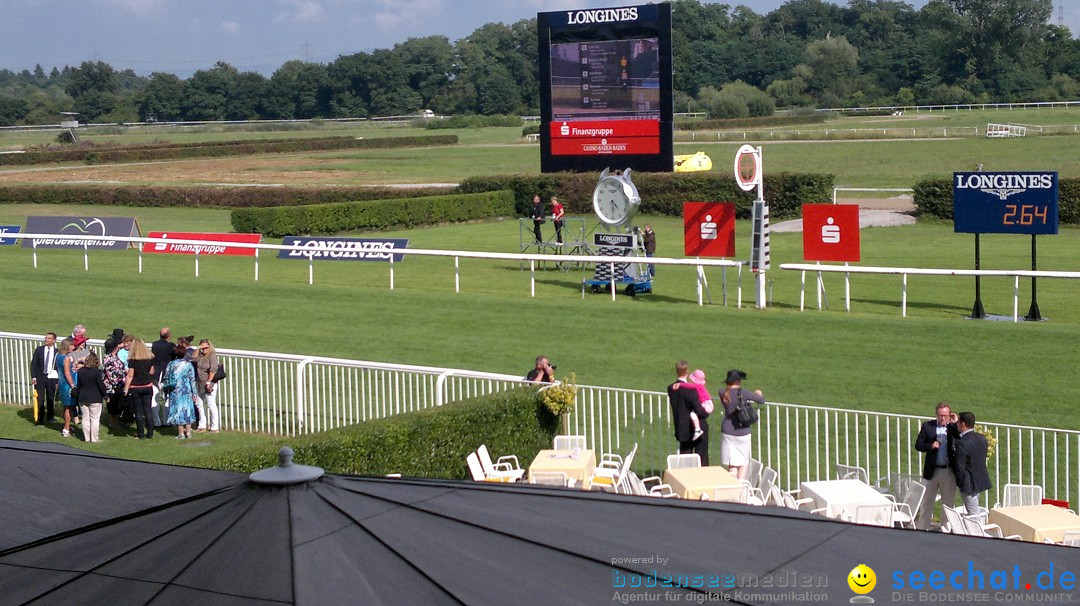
(1033, 314)
(977, 311)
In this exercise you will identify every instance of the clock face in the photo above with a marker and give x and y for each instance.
(611, 201)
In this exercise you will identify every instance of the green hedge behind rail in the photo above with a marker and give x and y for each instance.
(432, 443)
(97, 154)
(323, 219)
(663, 193)
(934, 197)
(205, 197)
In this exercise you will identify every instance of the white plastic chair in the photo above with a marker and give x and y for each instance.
(766, 482)
(1015, 495)
(873, 515)
(1071, 538)
(679, 461)
(569, 442)
(849, 472)
(612, 468)
(904, 512)
(506, 467)
(742, 492)
(640, 487)
(791, 499)
(552, 478)
(475, 468)
(975, 528)
(753, 472)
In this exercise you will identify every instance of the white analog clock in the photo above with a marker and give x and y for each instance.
(615, 199)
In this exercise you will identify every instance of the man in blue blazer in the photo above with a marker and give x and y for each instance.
(937, 438)
(972, 477)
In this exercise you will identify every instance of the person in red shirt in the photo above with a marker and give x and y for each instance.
(557, 214)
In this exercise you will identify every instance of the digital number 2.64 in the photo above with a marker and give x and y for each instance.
(1024, 214)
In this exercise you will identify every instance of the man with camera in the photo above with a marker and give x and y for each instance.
(543, 373)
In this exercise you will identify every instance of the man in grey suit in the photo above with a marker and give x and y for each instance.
(972, 477)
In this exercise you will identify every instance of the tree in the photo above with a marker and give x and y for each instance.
(93, 85)
(832, 66)
(207, 92)
(163, 98)
(1001, 40)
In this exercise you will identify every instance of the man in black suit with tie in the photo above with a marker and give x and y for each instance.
(45, 378)
(683, 401)
(972, 477)
(937, 438)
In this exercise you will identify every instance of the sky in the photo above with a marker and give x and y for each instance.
(182, 36)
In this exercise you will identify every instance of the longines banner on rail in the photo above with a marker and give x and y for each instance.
(80, 226)
(344, 249)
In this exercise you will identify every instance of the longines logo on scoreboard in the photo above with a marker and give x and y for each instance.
(1005, 202)
(1004, 185)
(603, 15)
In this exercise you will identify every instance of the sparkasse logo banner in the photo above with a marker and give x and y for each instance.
(344, 249)
(218, 243)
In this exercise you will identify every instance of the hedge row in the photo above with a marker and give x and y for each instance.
(172, 151)
(432, 443)
(663, 193)
(789, 120)
(319, 219)
(221, 197)
(934, 197)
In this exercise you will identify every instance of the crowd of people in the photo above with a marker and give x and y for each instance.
(161, 384)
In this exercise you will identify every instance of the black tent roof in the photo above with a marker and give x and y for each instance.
(47, 488)
(354, 540)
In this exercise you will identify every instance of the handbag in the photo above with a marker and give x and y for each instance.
(219, 374)
(745, 414)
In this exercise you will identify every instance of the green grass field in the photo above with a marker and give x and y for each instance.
(869, 359)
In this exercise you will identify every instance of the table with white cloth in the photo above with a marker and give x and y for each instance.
(1035, 522)
(692, 482)
(840, 498)
(578, 468)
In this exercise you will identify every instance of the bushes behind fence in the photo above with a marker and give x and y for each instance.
(203, 197)
(324, 219)
(431, 443)
(934, 197)
(663, 193)
(96, 154)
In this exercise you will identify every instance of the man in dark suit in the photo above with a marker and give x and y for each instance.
(937, 438)
(683, 401)
(45, 378)
(161, 350)
(972, 476)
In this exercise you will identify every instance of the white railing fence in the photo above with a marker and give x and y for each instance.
(904, 272)
(290, 395)
(284, 394)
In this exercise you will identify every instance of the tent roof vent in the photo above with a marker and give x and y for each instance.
(286, 472)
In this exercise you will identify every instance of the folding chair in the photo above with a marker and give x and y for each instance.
(503, 468)
(569, 442)
(849, 472)
(552, 478)
(1015, 495)
(679, 461)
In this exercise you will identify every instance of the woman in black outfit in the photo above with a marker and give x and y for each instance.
(139, 388)
(91, 395)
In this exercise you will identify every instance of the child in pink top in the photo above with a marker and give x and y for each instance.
(697, 381)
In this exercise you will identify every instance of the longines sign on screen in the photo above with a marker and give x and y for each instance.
(605, 88)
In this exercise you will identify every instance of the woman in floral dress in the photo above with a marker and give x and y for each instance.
(179, 383)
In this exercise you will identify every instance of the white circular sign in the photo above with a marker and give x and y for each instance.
(747, 182)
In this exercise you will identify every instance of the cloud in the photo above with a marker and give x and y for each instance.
(138, 7)
(405, 13)
(230, 27)
(301, 11)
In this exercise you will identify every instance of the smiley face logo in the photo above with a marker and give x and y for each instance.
(862, 579)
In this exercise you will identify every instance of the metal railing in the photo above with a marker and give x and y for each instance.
(289, 395)
(285, 394)
(904, 272)
(531, 258)
(954, 107)
(802, 134)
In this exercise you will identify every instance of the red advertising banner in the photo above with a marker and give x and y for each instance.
(203, 249)
(831, 232)
(597, 137)
(709, 229)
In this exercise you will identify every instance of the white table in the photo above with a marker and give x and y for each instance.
(840, 498)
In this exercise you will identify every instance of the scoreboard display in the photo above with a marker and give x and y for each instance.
(1005, 203)
(605, 87)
